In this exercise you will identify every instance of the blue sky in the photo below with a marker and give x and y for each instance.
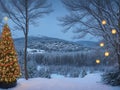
(49, 25)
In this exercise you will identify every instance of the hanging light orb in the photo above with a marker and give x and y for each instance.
(107, 54)
(97, 61)
(104, 22)
(102, 44)
(114, 31)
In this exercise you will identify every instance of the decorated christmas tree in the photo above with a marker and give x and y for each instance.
(9, 66)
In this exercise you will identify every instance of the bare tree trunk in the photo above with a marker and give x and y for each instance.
(118, 61)
(25, 58)
(27, 13)
(26, 40)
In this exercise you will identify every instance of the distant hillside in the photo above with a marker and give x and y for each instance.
(88, 43)
(52, 44)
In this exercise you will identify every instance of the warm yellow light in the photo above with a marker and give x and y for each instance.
(6, 18)
(114, 31)
(97, 61)
(107, 54)
(102, 44)
(104, 22)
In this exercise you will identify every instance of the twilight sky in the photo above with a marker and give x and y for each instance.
(49, 25)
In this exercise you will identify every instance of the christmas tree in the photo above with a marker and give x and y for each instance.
(9, 66)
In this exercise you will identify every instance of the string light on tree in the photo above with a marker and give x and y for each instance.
(104, 22)
(107, 54)
(102, 44)
(114, 31)
(98, 61)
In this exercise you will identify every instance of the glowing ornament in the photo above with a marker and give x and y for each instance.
(114, 31)
(104, 22)
(107, 54)
(97, 61)
(102, 44)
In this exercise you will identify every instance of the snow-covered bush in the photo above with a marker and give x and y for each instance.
(84, 73)
(44, 73)
(74, 74)
(112, 78)
(32, 68)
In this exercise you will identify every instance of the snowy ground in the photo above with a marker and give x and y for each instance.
(89, 82)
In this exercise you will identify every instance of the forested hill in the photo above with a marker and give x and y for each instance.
(54, 44)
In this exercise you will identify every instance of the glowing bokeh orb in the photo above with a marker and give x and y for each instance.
(102, 44)
(97, 61)
(114, 31)
(6, 18)
(104, 22)
(107, 54)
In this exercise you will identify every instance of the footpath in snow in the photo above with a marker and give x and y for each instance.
(89, 82)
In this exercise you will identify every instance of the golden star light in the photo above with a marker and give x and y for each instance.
(107, 54)
(114, 31)
(97, 61)
(5, 18)
(104, 22)
(102, 44)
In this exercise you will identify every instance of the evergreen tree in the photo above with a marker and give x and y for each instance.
(9, 67)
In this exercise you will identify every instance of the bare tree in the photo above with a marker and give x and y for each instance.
(23, 13)
(1, 18)
(86, 17)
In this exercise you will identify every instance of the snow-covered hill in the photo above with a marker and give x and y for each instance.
(89, 82)
(50, 44)
(88, 43)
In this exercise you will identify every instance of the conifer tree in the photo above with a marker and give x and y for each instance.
(9, 66)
